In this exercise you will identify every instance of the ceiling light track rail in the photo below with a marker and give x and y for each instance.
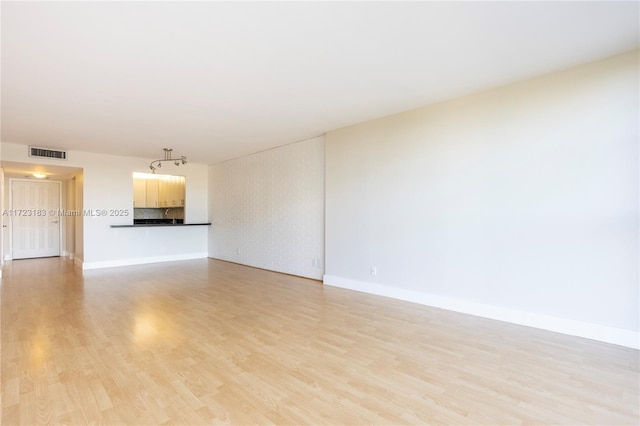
(156, 164)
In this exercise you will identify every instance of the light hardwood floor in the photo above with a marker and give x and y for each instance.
(207, 342)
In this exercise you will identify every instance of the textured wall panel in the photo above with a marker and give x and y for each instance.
(267, 209)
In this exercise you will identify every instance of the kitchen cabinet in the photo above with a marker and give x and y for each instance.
(153, 194)
(164, 197)
(171, 191)
(139, 192)
(179, 192)
(145, 193)
(160, 191)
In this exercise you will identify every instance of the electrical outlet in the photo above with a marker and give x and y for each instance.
(237, 251)
(373, 270)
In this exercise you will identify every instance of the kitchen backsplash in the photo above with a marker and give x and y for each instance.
(172, 213)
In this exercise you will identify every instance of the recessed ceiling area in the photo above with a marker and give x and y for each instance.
(217, 80)
(17, 170)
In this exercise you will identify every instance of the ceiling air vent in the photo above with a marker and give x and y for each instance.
(35, 151)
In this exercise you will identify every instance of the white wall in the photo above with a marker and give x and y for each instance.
(70, 221)
(107, 183)
(267, 209)
(2, 221)
(79, 224)
(519, 203)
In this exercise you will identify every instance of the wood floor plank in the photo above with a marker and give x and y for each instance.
(210, 342)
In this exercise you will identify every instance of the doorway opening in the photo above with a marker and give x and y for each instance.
(35, 197)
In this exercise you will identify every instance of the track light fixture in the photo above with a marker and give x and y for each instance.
(156, 164)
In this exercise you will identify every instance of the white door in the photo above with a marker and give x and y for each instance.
(35, 231)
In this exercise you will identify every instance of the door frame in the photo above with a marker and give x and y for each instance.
(9, 256)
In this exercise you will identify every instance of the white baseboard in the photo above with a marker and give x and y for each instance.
(139, 260)
(617, 336)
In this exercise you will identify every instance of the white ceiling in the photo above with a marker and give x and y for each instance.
(216, 80)
(13, 169)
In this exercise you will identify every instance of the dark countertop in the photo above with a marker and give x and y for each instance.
(147, 225)
(157, 221)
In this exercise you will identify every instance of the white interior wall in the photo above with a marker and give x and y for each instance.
(6, 219)
(267, 209)
(520, 203)
(79, 229)
(63, 222)
(70, 221)
(107, 184)
(2, 221)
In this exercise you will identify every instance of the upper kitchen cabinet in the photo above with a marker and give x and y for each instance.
(171, 191)
(158, 191)
(139, 192)
(153, 197)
